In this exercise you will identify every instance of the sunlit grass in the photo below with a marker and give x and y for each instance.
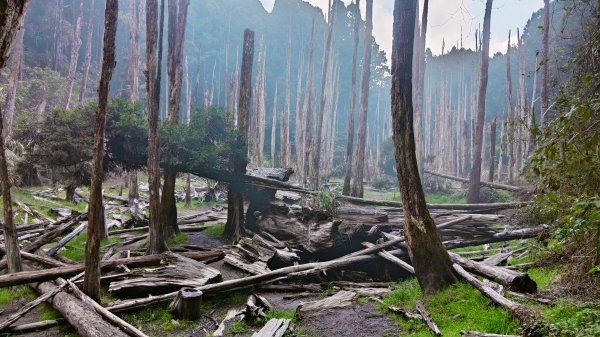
(75, 249)
(216, 230)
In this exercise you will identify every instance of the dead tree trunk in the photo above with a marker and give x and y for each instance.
(545, 66)
(75, 45)
(177, 22)
(420, 80)
(11, 19)
(88, 53)
(134, 89)
(13, 82)
(429, 257)
(235, 199)
(363, 106)
(284, 143)
(156, 241)
(274, 128)
(492, 150)
(352, 107)
(309, 117)
(510, 120)
(475, 177)
(91, 283)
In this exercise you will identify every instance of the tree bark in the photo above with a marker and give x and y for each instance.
(156, 241)
(308, 113)
(428, 256)
(420, 87)
(492, 150)
(11, 18)
(75, 46)
(363, 106)
(13, 82)
(475, 177)
(88, 53)
(235, 199)
(284, 152)
(545, 65)
(91, 283)
(274, 128)
(510, 120)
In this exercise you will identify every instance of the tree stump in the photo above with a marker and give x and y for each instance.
(186, 304)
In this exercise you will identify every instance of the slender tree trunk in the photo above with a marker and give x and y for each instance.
(284, 152)
(428, 255)
(156, 241)
(320, 117)
(308, 109)
(134, 84)
(363, 106)
(234, 227)
(274, 128)
(75, 46)
(13, 82)
(88, 51)
(57, 52)
(177, 22)
(421, 86)
(91, 283)
(510, 118)
(350, 141)
(545, 65)
(475, 178)
(492, 150)
(226, 77)
(298, 133)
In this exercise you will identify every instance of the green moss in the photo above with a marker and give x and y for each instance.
(238, 327)
(75, 249)
(458, 307)
(573, 319)
(216, 230)
(158, 314)
(178, 239)
(544, 276)
(8, 295)
(280, 313)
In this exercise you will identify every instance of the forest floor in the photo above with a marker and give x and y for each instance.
(459, 307)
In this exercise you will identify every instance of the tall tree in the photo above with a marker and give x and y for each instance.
(11, 20)
(510, 116)
(75, 46)
(350, 141)
(88, 53)
(545, 65)
(235, 199)
(156, 240)
(420, 80)
(308, 113)
(274, 128)
(91, 283)
(322, 109)
(492, 149)
(475, 177)
(284, 153)
(13, 82)
(363, 106)
(177, 22)
(427, 254)
(134, 85)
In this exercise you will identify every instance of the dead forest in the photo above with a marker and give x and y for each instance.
(293, 168)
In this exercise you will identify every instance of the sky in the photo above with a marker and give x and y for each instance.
(446, 17)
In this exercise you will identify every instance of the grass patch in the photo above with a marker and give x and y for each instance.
(75, 249)
(160, 315)
(445, 198)
(459, 307)
(49, 313)
(178, 239)
(8, 295)
(544, 276)
(573, 319)
(216, 230)
(196, 204)
(280, 313)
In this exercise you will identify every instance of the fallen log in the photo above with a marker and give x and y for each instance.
(82, 317)
(520, 282)
(275, 327)
(68, 271)
(46, 261)
(341, 299)
(482, 334)
(231, 316)
(67, 238)
(498, 186)
(37, 326)
(391, 258)
(428, 319)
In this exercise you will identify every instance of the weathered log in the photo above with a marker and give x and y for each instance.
(483, 183)
(520, 282)
(406, 314)
(530, 297)
(361, 215)
(186, 304)
(428, 319)
(231, 316)
(341, 299)
(134, 262)
(279, 174)
(256, 307)
(176, 271)
(41, 259)
(37, 326)
(82, 317)
(498, 259)
(517, 234)
(67, 238)
(391, 258)
(275, 327)
(124, 326)
(482, 334)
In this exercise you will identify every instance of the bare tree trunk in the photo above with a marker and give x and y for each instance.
(545, 65)
(350, 141)
(235, 199)
(75, 45)
(226, 79)
(156, 241)
(57, 47)
(91, 283)
(492, 150)
(428, 255)
(134, 83)
(274, 128)
(475, 178)
(298, 134)
(363, 106)
(284, 152)
(510, 120)
(88, 51)
(13, 82)
(308, 109)
(177, 22)
(420, 80)
(320, 117)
